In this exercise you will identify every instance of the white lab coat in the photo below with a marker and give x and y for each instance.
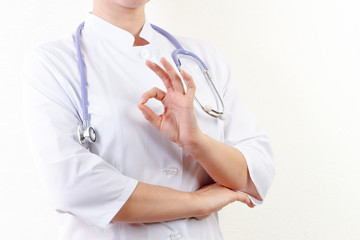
(87, 187)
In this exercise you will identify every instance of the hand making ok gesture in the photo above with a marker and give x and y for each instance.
(178, 121)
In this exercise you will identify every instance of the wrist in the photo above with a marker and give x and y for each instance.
(197, 145)
(199, 206)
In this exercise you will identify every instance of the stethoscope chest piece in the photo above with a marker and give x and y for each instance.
(86, 134)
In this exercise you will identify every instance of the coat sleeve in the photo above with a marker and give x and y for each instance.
(77, 181)
(242, 131)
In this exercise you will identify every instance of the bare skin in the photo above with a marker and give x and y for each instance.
(150, 203)
(125, 14)
(226, 165)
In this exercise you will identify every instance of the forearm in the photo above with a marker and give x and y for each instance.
(224, 163)
(150, 203)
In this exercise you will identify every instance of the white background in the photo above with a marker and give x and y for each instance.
(297, 64)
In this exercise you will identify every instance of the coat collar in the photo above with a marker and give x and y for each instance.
(114, 34)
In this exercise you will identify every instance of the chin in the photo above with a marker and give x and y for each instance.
(130, 3)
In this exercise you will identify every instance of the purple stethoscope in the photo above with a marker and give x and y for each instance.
(87, 134)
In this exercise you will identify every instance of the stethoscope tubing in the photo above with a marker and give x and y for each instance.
(85, 130)
(82, 73)
(179, 49)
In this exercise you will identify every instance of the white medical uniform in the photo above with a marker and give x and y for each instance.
(89, 186)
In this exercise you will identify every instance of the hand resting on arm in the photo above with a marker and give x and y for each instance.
(150, 203)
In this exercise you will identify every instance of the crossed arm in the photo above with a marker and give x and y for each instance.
(225, 164)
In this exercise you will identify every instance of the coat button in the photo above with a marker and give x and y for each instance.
(170, 171)
(144, 53)
(175, 236)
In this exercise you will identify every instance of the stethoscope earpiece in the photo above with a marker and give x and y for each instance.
(207, 108)
(222, 117)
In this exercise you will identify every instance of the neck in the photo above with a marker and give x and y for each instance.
(128, 19)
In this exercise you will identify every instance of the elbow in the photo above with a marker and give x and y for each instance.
(64, 196)
(247, 186)
(260, 172)
(60, 201)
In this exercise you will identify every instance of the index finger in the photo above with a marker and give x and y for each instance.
(161, 73)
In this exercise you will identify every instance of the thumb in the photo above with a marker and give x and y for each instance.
(149, 115)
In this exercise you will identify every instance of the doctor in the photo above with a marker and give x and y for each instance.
(161, 167)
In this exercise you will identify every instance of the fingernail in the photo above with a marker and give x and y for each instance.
(163, 60)
(140, 106)
(149, 63)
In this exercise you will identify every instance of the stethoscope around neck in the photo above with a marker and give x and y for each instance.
(87, 134)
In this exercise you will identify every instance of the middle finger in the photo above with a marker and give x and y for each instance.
(175, 78)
